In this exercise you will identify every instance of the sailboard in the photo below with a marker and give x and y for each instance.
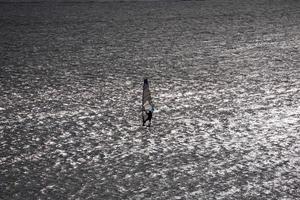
(147, 103)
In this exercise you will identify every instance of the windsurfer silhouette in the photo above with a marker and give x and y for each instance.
(149, 116)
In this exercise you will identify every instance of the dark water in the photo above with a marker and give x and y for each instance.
(224, 76)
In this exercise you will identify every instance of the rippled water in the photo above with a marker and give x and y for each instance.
(225, 80)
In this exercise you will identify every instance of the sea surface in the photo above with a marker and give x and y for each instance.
(225, 81)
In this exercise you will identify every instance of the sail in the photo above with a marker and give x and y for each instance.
(147, 100)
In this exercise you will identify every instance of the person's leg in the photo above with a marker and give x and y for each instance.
(145, 120)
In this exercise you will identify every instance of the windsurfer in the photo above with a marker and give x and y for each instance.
(149, 116)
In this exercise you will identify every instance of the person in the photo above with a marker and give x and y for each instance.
(149, 116)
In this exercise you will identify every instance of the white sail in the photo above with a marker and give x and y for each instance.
(147, 100)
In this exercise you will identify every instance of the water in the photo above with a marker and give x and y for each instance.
(224, 77)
